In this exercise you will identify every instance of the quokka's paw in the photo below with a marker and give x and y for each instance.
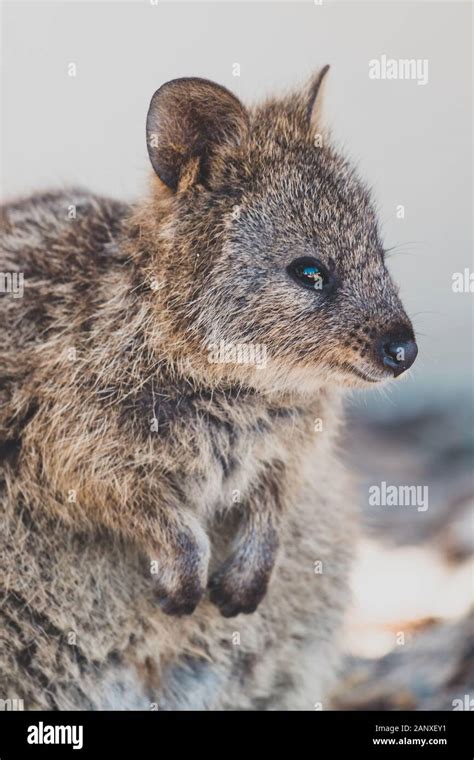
(240, 584)
(181, 601)
(180, 578)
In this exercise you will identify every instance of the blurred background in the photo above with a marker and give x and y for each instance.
(77, 78)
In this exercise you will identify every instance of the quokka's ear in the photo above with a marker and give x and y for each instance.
(188, 120)
(315, 96)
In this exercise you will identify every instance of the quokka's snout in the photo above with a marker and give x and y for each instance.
(378, 343)
(388, 351)
(397, 349)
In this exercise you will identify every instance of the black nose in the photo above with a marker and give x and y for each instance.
(397, 352)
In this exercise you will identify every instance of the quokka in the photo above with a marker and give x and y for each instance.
(149, 494)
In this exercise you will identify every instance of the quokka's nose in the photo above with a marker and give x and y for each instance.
(397, 350)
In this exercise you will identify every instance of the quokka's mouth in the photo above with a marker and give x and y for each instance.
(347, 367)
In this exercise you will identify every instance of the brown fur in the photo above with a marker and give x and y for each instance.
(135, 471)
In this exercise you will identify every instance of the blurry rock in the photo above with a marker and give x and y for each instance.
(429, 673)
(457, 540)
(434, 669)
(434, 448)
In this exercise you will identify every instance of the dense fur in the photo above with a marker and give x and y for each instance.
(137, 472)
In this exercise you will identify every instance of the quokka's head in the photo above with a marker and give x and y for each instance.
(270, 260)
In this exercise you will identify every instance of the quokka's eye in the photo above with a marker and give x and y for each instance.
(309, 273)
